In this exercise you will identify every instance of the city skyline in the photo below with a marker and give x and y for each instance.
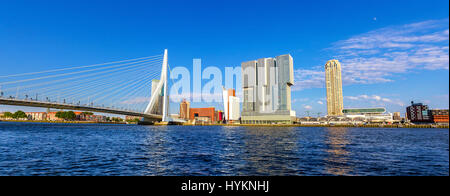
(398, 50)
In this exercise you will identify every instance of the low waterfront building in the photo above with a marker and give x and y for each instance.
(439, 115)
(202, 115)
(368, 114)
(96, 118)
(79, 116)
(132, 118)
(51, 116)
(220, 116)
(36, 115)
(397, 116)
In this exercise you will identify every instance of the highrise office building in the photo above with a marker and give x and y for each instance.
(333, 78)
(267, 90)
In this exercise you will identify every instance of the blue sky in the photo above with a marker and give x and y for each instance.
(392, 52)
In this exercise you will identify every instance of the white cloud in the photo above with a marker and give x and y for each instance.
(300, 100)
(320, 102)
(136, 100)
(309, 79)
(379, 55)
(307, 107)
(375, 98)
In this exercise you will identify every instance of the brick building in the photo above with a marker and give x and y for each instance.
(206, 115)
(439, 116)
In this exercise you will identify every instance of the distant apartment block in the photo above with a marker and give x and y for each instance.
(266, 85)
(333, 80)
(417, 113)
(420, 113)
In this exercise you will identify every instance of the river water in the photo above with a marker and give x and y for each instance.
(91, 149)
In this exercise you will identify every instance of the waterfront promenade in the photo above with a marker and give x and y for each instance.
(342, 125)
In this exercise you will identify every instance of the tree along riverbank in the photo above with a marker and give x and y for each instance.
(59, 122)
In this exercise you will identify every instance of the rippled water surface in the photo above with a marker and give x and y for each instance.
(63, 149)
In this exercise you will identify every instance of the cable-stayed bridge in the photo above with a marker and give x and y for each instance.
(133, 87)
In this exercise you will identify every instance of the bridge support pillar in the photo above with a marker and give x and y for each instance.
(161, 89)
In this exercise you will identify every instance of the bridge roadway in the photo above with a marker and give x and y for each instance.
(41, 104)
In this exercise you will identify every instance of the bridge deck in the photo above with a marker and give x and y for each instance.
(30, 103)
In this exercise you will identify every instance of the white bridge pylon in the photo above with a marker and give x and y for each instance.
(161, 87)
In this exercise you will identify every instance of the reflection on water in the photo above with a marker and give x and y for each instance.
(156, 149)
(337, 162)
(269, 151)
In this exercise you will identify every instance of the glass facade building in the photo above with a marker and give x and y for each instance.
(267, 90)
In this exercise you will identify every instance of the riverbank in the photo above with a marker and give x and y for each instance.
(300, 125)
(242, 125)
(59, 122)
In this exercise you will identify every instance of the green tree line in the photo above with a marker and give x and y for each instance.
(70, 115)
(15, 115)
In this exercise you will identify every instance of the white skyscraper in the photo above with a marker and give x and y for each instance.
(267, 90)
(231, 105)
